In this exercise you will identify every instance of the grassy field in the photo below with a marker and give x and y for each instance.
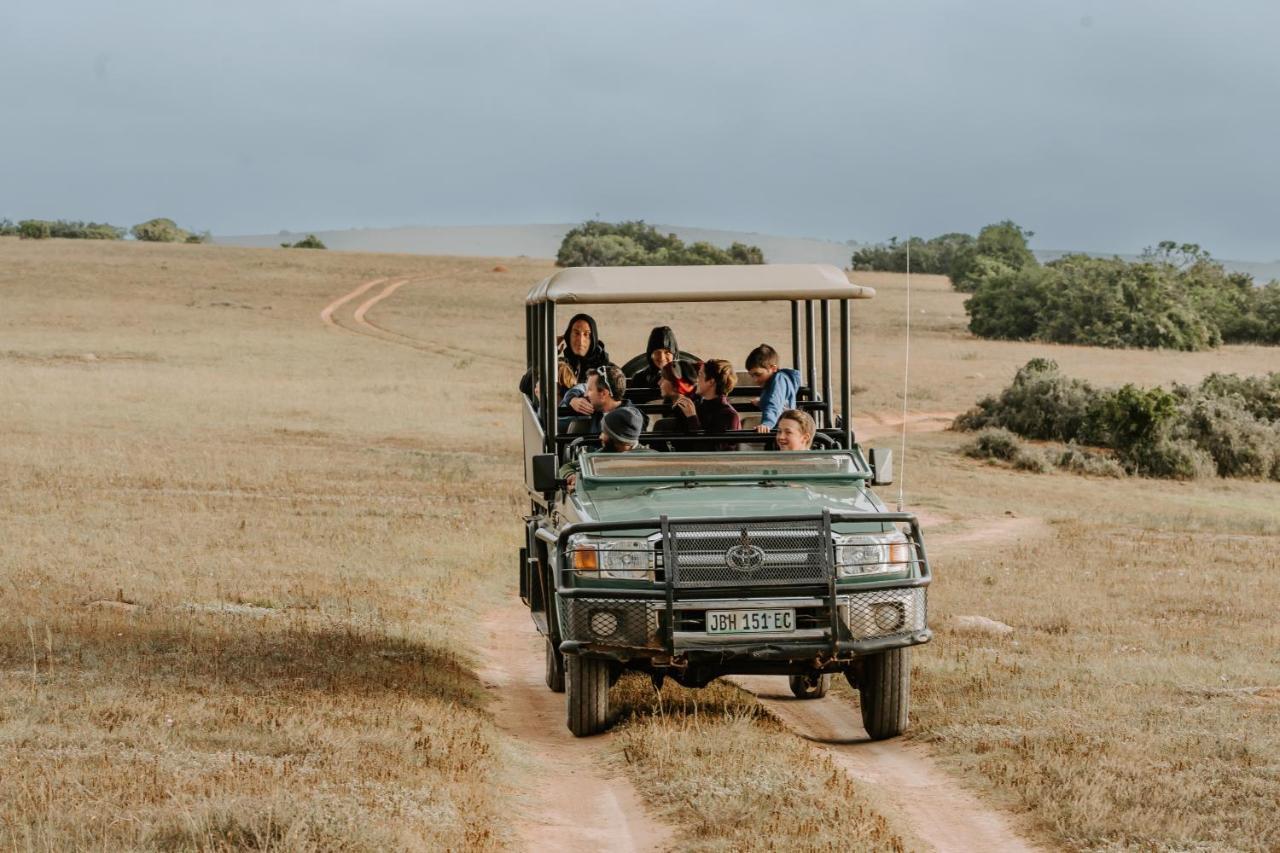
(242, 555)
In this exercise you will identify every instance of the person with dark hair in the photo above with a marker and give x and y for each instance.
(660, 351)
(795, 430)
(602, 393)
(778, 386)
(712, 413)
(582, 348)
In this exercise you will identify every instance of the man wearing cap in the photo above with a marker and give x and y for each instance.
(620, 431)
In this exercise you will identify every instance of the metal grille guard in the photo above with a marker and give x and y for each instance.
(918, 557)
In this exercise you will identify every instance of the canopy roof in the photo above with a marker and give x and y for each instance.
(738, 283)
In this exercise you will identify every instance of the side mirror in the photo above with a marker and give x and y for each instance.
(545, 470)
(881, 465)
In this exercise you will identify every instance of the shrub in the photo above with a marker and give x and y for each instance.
(8, 228)
(1000, 248)
(159, 231)
(1040, 403)
(933, 256)
(310, 241)
(1031, 460)
(605, 244)
(994, 443)
(1078, 460)
(1228, 425)
(34, 229)
(1174, 297)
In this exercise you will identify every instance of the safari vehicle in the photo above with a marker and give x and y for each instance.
(693, 565)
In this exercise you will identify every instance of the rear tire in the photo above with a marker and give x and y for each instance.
(555, 668)
(811, 685)
(884, 692)
(587, 694)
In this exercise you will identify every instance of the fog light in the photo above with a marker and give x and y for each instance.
(604, 623)
(888, 617)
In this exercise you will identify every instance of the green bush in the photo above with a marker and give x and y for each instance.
(310, 241)
(1000, 249)
(933, 256)
(34, 229)
(994, 443)
(1079, 460)
(1175, 297)
(1228, 425)
(159, 231)
(8, 228)
(605, 244)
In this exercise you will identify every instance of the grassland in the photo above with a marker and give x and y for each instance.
(242, 555)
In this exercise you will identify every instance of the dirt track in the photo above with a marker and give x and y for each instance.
(568, 789)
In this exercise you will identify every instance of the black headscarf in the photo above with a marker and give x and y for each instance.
(660, 337)
(596, 355)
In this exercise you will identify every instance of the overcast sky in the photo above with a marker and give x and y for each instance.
(1101, 126)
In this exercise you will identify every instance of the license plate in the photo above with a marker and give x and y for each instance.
(750, 621)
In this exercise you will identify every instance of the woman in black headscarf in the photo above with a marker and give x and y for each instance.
(583, 349)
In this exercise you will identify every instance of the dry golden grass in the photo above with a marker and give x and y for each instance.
(734, 779)
(310, 520)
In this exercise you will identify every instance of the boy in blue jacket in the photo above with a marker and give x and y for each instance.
(778, 386)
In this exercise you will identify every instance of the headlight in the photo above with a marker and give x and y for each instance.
(622, 559)
(872, 554)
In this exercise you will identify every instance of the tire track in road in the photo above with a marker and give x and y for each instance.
(326, 314)
(588, 805)
(361, 324)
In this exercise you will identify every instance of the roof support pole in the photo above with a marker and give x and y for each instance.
(825, 314)
(795, 336)
(810, 358)
(846, 409)
(551, 404)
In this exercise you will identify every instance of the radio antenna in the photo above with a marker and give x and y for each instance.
(906, 380)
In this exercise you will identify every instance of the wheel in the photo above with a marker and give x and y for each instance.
(884, 691)
(810, 685)
(555, 668)
(586, 694)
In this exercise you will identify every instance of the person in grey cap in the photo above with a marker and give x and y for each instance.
(619, 433)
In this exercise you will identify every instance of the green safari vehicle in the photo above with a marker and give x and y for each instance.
(692, 565)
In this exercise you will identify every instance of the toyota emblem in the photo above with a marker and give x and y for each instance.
(744, 557)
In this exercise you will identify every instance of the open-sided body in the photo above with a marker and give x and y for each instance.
(693, 565)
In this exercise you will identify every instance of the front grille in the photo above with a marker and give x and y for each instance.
(612, 621)
(756, 554)
(883, 612)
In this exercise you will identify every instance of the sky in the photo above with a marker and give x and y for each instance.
(1099, 126)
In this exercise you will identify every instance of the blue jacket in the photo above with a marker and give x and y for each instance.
(778, 395)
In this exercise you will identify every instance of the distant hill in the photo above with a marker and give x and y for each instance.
(542, 241)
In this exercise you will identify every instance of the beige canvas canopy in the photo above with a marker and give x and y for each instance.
(744, 283)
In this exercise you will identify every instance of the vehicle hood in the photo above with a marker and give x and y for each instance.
(638, 502)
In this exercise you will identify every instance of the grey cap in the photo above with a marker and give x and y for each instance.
(624, 425)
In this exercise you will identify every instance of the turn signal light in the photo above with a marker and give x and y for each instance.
(586, 560)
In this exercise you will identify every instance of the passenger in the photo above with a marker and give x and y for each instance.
(583, 349)
(661, 351)
(795, 430)
(778, 386)
(602, 393)
(712, 413)
(675, 382)
(620, 433)
(565, 379)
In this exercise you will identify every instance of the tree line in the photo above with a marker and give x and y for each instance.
(627, 244)
(1175, 296)
(152, 231)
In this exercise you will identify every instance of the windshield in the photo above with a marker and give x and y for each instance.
(684, 466)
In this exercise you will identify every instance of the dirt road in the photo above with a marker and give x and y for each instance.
(574, 797)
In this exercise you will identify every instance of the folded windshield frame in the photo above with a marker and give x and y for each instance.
(616, 468)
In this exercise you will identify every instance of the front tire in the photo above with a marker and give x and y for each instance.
(587, 694)
(812, 685)
(555, 668)
(884, 692)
